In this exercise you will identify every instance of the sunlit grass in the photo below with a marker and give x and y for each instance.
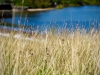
(55, 53)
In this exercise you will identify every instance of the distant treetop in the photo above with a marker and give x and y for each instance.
(50, 3)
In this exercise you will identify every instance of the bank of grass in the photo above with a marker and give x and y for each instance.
(67, 53)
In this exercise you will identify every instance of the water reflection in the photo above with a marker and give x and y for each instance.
(5, 10)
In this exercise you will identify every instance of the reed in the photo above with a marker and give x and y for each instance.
(64, 53)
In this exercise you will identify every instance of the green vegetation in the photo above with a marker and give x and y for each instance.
(1, 1)
(66, 53)
(50, 3)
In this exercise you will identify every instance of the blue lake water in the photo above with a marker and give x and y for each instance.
(82, 16)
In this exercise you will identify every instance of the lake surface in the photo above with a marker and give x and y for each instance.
(82, 16)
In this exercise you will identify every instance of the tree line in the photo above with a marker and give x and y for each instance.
(50, 3)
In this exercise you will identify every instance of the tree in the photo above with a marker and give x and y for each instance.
(2, 1)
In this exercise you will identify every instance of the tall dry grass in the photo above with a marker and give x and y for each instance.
(67, 53)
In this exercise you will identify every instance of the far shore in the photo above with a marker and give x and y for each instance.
(40, 9)
(33, 10)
